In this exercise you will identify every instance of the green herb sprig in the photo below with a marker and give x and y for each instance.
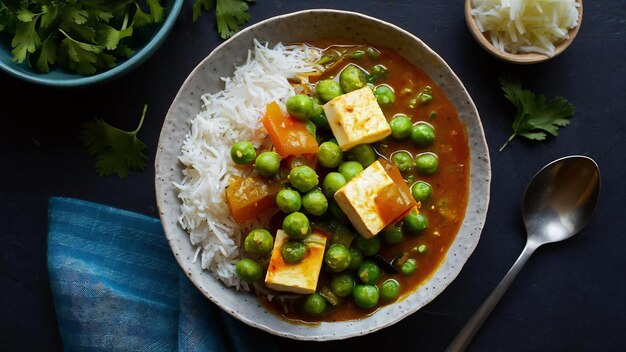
(230, 14)
(536, 117)
(117, 151)
(82, 36)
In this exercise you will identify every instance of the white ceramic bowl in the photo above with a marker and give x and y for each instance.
(317, 24)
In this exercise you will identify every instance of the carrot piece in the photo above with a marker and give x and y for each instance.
(288, 135)
(249, 196)
(395, 201)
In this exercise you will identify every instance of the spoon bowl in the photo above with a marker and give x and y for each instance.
(520, 58)
(558, 203)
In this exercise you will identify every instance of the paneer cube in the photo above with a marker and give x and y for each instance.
(299, 277)
(356, 118)
(374, 198)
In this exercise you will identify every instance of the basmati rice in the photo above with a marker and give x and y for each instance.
(229, 116)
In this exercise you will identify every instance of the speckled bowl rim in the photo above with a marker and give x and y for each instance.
(119, 70)
(245, 307)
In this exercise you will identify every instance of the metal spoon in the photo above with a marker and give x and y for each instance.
(557, 204)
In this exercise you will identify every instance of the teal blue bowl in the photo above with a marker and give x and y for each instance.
(58, 77)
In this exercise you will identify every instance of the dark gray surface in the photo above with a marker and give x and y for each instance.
(570, 296)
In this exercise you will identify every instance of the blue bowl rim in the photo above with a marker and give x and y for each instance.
(124, 67)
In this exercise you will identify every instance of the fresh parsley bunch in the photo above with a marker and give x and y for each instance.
(82, 36)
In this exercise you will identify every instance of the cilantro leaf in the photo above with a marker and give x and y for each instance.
(82, 56)
(82, 36)
(156, 10)
(535, 117)
(197, 7)
(110, 37)
(25, 15)
(47, 54)
(7, 19)
(25, 41)
(141, 18)
(230, 14)
(117, 152)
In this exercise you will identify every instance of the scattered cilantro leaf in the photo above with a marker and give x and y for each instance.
(230, 14)
(536, 117)
(117, 151)
(198, 6)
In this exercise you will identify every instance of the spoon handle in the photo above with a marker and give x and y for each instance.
(466, 334)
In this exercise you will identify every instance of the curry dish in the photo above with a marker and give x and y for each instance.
(365, 179)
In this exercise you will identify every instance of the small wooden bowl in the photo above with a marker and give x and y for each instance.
(522, 58)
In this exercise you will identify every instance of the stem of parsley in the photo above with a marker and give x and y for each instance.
(143, 115)
(507, 142)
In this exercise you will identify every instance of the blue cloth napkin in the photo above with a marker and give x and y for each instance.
(117, 287)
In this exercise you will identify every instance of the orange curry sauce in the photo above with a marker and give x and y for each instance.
(445, 209)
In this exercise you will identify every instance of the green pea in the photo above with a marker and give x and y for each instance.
(303, 178)
(328, 89)
(288, 200)
(267, 164)
(379, 71)
(349, 169)
(242, 152)
(409, 267)
(357, 258)
(421, 191)
(364, 154)
(314, 304)
(258, 241)
(426, 163)
(365, 296)
(332, 183)
(351, 78)
(329, 155)
(424, 98)
(403, 160)
(319, 117)
(415, 223)
(384, 95)
(369, 272)
(337, 258)
(400, 126)
(423, 134)
(315, 203)
(296, 225)
(393, 235)
(248, 270)
(293, 251)
(368, 246)
(300, 106)
(341, 284)
(390, 290)
(372, 52)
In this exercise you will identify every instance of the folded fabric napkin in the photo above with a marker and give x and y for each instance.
(117, 287)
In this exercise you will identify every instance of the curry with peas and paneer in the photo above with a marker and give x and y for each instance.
(365, 179)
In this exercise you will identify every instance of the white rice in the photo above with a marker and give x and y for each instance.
(228, 116)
